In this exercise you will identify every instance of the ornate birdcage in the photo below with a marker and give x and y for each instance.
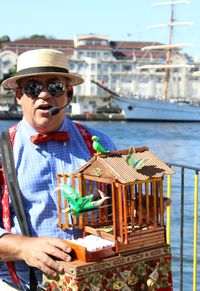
(133, 216)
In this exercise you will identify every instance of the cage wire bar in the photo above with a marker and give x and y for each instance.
(195, 219)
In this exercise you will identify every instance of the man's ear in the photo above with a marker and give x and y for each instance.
(18, 95)
(70, 92)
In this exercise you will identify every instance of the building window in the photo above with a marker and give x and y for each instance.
(93, 67)
(144, 80)
(159, 80)
(105, 67)
(93, 54)
(105, 78)
(114, 67)
(71, 66)
(93, 103)
(114, 79)
(80, 66)
(80, 54)
(126, 68)
(106, 55)
(93, 42)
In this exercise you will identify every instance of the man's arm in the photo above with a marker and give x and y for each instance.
(42, 253)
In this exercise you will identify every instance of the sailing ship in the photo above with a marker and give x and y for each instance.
(166, 108)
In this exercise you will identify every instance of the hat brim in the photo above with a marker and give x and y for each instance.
(11, 83)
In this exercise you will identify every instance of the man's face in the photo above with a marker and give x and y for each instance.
(37, 95)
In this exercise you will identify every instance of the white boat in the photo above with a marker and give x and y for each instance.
(157, 110)
(152, 109)
(167, 108)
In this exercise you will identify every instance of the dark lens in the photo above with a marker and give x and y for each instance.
(33, 89)
(56, 88)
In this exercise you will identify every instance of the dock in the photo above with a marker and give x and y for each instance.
(8, 115)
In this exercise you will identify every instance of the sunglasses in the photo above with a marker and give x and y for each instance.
(33, 88)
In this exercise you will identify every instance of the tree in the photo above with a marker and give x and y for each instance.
(38, 36)
(9, 74)
(4, 38)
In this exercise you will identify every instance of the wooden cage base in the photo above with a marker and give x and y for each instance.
(147, 269)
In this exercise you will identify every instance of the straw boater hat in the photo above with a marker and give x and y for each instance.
(41, 62)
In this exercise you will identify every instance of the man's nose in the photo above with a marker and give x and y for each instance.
(44, 94)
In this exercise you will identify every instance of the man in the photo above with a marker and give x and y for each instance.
(43, 88)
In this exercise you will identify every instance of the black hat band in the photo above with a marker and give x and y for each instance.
(38, 70)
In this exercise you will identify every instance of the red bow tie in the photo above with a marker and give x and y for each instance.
(52, 136)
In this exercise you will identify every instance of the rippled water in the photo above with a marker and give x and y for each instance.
(173, 143)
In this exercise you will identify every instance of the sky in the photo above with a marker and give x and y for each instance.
(120, 20)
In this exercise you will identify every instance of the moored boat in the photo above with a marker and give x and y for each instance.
(157, 110)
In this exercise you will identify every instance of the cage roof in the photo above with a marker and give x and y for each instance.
(114, 165)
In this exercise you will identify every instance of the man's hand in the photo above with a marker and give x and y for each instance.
(42, 253)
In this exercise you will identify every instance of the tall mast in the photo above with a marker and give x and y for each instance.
(168, 47)
(168, 55)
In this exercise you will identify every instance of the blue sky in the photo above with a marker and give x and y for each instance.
(119, 19)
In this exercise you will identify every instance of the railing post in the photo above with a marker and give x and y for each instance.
(182, 226)
(195, 231)
(168, 227)
(183, 168)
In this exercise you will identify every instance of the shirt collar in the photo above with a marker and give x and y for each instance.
(28, 130)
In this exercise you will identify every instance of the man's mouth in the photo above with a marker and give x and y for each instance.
(44, 107)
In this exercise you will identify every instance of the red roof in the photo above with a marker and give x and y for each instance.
(120, 49)
(41, 41)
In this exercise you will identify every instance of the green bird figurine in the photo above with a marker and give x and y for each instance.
(97, 146)
(80, 204)
(133, 161)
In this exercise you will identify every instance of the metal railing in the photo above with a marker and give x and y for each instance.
(182, 183)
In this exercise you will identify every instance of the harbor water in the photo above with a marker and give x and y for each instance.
(173, 143)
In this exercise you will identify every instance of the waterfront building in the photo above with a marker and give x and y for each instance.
(116, 64)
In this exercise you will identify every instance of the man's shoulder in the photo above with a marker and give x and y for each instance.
(86, 129)
(103, 137)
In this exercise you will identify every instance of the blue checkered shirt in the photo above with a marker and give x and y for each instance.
(37, 166)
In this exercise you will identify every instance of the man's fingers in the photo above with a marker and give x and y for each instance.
(49, 266)
(59, 243)
(58, 254)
